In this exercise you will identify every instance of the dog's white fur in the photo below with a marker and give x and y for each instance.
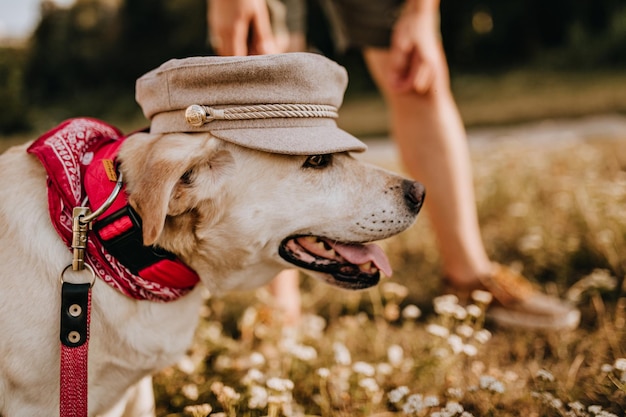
(226, 221)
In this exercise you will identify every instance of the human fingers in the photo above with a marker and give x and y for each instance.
(263, 40)
(233, 42)
(400, 68)
(411, 70)
(423, 77)
(230, 23)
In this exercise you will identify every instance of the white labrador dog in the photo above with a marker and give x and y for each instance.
(235, 215)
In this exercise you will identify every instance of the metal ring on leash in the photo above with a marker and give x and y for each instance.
(87, 266)
(107, 203)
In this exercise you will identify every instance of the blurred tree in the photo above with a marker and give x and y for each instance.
(154, 31)
(96, 48)
(13, 108)
(523, 32)
(70, 50)
(90, 53)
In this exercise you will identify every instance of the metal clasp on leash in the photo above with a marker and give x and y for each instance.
(81, 224)
(79, 237)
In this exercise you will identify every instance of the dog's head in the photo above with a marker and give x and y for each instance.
(238, 216)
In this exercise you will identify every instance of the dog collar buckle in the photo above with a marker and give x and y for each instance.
(121, 235)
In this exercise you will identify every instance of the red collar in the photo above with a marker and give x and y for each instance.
(73, 155)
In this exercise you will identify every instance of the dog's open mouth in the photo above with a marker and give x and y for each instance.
(352, 265)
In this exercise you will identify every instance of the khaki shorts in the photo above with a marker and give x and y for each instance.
(354, 23)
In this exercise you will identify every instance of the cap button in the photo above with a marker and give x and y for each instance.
(195, 115)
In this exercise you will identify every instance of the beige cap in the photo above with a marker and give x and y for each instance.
(284, 103)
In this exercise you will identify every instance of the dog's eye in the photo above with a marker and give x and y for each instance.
(318, 161)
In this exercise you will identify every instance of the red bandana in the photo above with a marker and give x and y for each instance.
(67, 153)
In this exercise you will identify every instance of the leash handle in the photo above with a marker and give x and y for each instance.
(75, 319)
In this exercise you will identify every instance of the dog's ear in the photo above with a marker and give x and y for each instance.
(154, 166)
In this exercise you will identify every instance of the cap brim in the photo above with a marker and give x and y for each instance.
(293, 140)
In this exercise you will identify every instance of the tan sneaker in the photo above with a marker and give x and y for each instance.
(517, 303)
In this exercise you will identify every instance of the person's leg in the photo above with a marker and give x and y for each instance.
(433, 146)
(285, 289)
(432, 143)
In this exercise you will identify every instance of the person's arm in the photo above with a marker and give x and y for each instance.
(240, 27)
(415, 47)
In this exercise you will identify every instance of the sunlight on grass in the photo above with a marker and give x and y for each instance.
(403, 349)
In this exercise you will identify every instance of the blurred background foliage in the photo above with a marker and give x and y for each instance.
(84, 59)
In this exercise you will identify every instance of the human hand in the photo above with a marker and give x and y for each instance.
(415, 54)
(240, 27)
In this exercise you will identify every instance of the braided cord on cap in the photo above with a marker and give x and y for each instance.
(197, 115)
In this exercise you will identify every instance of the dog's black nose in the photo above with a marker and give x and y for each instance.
(414, 194)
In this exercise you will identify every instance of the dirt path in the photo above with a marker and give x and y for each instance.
(545, 133)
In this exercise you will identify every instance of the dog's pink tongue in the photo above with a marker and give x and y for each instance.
(360, 254)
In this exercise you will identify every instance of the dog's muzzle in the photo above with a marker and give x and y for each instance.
(350, 265)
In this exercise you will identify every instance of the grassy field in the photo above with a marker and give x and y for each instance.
(556, 212)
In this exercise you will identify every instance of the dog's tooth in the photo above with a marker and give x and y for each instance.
(331, 253)
(310, 239)
(368, 267)
(320, 245)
